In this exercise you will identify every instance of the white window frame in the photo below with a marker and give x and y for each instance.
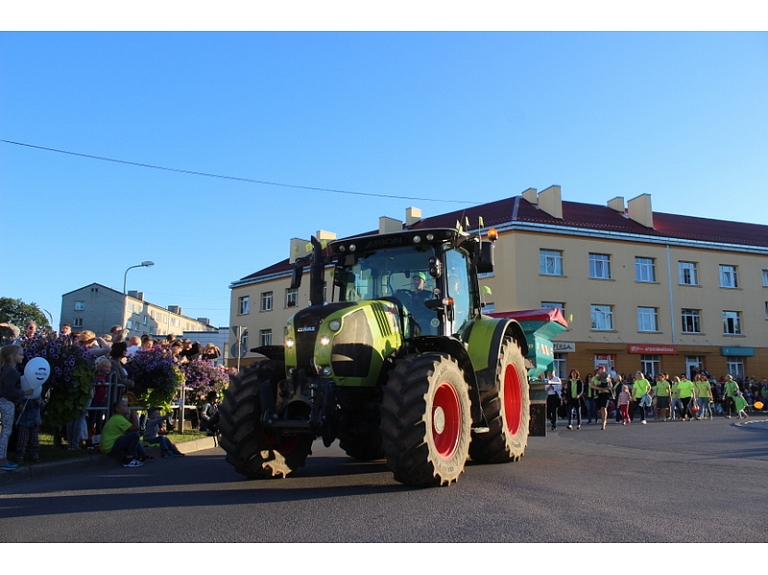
(729, 277)
(554, 305)
(732, 322)
(694, 317)
(647, 319)
(291, 298)
(688, 273)
(77, 322)
(265, 337)
(645, 269)
(602, 317)
(267, 300)
(650, 364)
(244, 305)
(79, 305)
(550, 262)
(600, 266)
(765, 278)
(735, 366)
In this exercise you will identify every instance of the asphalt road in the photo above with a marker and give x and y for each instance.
(662, 482)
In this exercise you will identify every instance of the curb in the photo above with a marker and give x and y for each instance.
(92, 462)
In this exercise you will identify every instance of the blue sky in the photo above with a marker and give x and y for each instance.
(447, 118)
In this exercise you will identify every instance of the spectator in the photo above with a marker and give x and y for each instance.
(574, 392)
(11, 357)
(65, 331)
(120, 436)
(28, 430)
(640, 387)
(623, 402)
(211, 352)
(662, 391)
(152, 433)
(730, 389)
(740, 404)
(9, 334)
(31, 330)
(117, 357)
(554, 389)
(95, 345)
(590, 402)
(704, 394)
(101, 383)
(134, 344)
(147, 342)
(118, 333)
(686, 394)
(209, 414)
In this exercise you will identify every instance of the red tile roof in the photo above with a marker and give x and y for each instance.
(587, 216)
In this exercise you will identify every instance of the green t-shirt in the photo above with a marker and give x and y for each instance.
(740, 402)
(662, 388)
(731, 388)
(113, 430)
(685, 388)
(640, 388)
(703, 389)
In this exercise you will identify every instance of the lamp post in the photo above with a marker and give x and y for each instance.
(141, 265)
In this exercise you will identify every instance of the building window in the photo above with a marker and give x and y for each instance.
(266, 301)
(688, 273)
(145, 320)
(79, 305)
(732, 323)
(765, 278)
(550, 262)
(265, 336)
(735, 366)
(561, 366)
(554, 304)
(691, 321)
(728, 277)
(645, 269)
(490, 308)
(244, 305)
(647, 319)
(650, 365)
(77, 322)
(602, 317)
(766, 310)
(291, 298)
(600, 266)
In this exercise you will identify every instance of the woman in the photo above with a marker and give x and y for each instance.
(662, 391)
(554, 388)
(574, 392)
(95, 345)
(11, 356)
(590, 400)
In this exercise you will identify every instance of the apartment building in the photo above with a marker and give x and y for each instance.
(98, 308)
(642, 290)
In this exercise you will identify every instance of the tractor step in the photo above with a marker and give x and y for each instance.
(481, 429)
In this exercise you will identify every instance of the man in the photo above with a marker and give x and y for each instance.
(118, 333)
(420, 295)
(66, 330)
(121, 436)
(134, 344)
(603, 385)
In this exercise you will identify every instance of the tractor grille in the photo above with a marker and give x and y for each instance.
(353, 347)
(385, 328)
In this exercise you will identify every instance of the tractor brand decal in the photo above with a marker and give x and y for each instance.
(382, 242)
(306, 328)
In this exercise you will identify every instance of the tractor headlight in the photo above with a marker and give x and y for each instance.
(325, 371)
(335, 325)
(289, 342)
(325, 340)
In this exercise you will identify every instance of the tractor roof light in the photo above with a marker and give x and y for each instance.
(493, 234)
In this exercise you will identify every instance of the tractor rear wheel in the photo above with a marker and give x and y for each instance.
(507, 409)
(250, 449)
(426, 420)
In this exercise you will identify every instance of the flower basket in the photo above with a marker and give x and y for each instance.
(156, 376)
(201, 377)
(71, 380)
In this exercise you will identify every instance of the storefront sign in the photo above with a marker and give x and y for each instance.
(564, 347)
(739, 351)
(651, 349)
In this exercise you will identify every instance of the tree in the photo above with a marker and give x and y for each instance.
(18, 313)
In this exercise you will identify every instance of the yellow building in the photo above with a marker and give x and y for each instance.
(642, 290)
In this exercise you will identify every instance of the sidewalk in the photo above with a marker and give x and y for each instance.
(90, 462)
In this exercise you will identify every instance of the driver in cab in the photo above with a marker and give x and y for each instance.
(419, 294)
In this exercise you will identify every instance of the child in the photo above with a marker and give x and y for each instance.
(624, 400)
(741, 405)
(97, 409)
(28, 429)
(10, 393)
(152, 433)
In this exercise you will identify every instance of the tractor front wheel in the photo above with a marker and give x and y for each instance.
(250, 449)
(507, 409)
(426, 420)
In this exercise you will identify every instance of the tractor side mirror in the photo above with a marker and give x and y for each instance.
(435, 267)
(485, 262)
(298, 271)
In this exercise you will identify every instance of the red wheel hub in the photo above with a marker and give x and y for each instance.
(513, 400)
(446, 420)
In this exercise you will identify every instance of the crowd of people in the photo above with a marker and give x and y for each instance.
(605, 395)
(107, 420)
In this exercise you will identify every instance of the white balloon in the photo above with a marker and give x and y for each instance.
(36, 373)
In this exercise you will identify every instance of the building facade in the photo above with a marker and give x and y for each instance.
(641, 290)
(97, 308)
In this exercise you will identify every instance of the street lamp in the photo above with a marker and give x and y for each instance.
(141, 265)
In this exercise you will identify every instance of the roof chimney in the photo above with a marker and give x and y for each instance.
(639, 210)
(136, 294)
(550, 201)
(412, 216)
(617, 204)
(530, 196)
(387, 225)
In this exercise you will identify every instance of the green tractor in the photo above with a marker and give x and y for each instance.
(400, 364)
